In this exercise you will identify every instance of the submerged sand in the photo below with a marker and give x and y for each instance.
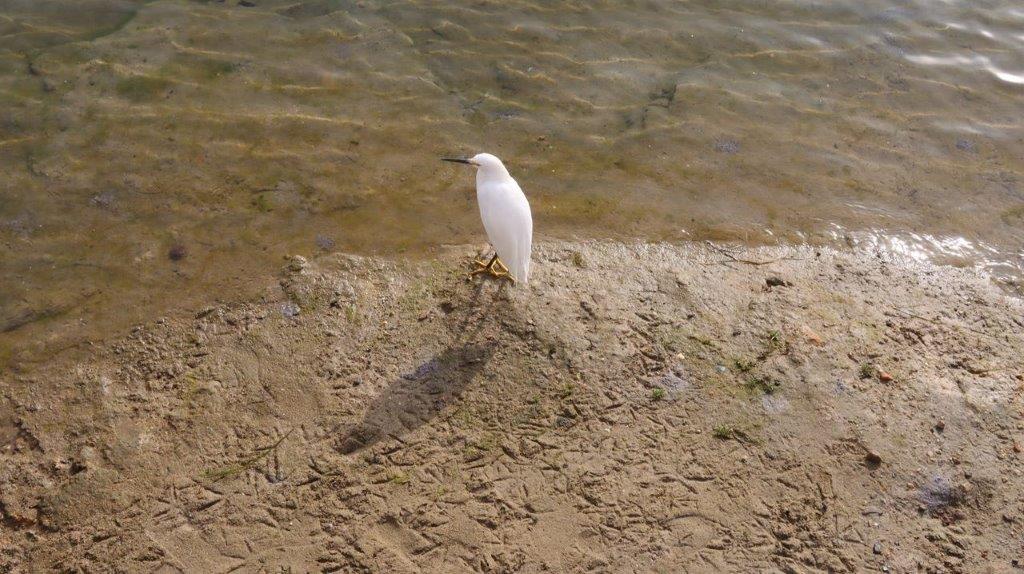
(637, 408)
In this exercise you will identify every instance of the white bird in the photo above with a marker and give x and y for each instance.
(506, 216)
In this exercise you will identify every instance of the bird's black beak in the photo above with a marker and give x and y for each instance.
(456, 160)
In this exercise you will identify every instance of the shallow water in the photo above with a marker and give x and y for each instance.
(162, 154)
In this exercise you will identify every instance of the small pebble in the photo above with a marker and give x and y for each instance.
(103, 200)
(884, 376)
(325, 243)
(877, 548)
(940, 426)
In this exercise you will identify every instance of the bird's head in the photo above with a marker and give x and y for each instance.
(486, 163)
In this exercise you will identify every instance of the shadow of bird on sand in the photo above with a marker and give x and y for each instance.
(413, 399)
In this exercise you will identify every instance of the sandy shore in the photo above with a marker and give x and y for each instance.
(637, 408)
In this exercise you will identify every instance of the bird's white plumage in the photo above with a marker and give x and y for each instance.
(506, 215)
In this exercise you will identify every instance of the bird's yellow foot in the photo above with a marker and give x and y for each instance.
(498, 274)
(495, 268)
(482, 267)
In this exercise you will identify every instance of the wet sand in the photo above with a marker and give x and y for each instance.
(638, 408)
(233, 133)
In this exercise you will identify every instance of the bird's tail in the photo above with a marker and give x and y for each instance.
(521, 270)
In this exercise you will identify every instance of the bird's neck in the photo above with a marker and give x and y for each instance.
(494, 173)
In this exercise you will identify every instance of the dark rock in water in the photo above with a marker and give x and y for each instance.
(23, 225)
(247, 3)
(664, 96)
(324, 242)
(103, 200)
(506, 80)
(26, 317)
(727, 146)
(311, 9)
(505, 115)
(965, 145)
(177, 252)
(891, 15)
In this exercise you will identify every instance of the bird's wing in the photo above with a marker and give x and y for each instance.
(509, 224)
